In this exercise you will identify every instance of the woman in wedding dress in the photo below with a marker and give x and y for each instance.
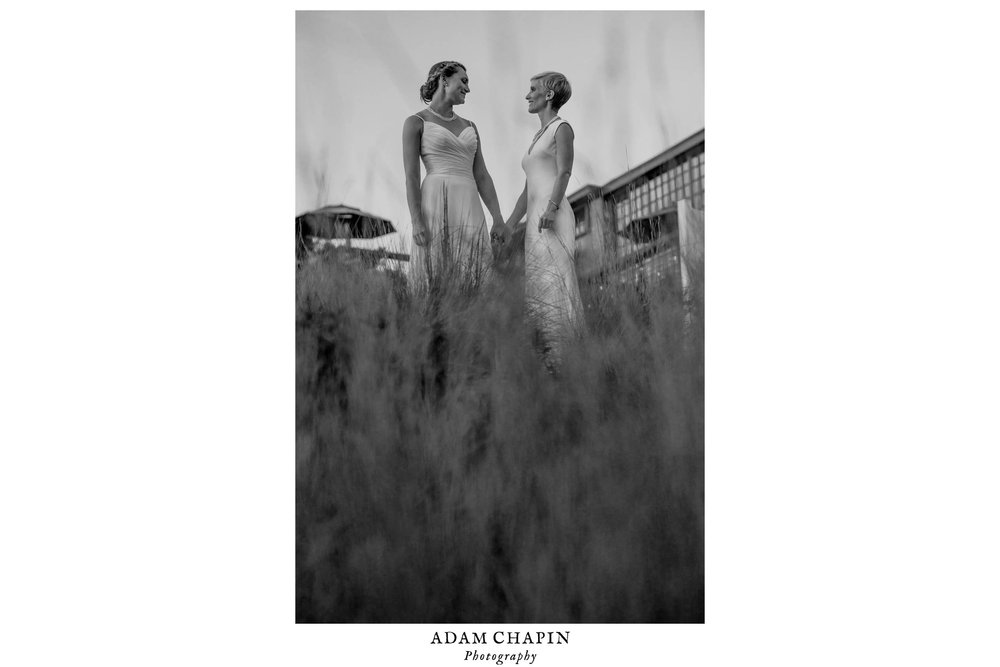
(449, 228)
(552, 294)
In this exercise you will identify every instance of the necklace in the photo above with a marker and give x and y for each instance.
(540, 132)
(445, 118)
(546, 127)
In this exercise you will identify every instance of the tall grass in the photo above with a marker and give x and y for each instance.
(444, 475)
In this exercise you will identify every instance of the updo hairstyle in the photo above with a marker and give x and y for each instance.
(444, 68)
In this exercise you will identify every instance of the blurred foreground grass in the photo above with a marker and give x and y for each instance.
(442, 475)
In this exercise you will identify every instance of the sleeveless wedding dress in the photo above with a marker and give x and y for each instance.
(449, 202)
(552, 294)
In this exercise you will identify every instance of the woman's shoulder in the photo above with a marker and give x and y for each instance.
(562, 125)
(413, 124)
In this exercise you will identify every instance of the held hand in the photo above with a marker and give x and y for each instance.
(500, 233)
(547, 219)
(420, 234)
(499, 236)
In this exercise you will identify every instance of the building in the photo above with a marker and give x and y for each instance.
(637, 224)
(646, 224)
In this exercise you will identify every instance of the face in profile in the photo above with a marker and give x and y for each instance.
(458, 87)
(535, 97)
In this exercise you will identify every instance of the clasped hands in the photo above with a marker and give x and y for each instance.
(499, 235)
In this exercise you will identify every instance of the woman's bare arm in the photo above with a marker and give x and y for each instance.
(413, 128)
(519, 208)
(484, 182)
(564, 169)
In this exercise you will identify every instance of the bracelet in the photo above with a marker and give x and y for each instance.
(554, 204)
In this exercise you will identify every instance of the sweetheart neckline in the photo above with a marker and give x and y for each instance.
(468, 127)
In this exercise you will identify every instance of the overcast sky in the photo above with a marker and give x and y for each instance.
(638, 87)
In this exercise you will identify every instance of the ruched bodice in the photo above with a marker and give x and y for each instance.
(447, 154)
(450, 205)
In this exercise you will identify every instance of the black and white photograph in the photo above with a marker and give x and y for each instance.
(499, 317)
(520, 395)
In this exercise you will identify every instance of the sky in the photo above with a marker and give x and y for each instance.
(637, 77)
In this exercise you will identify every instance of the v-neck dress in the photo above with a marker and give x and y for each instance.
(551, 289)
(450, 204)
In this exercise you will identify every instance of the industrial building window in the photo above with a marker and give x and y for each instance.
(582, 221)
(701, 182)
(621, 214)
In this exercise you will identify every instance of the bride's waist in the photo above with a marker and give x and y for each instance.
(452, 174)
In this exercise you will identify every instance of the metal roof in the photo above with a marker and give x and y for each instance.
(362, 225)
(667, 155)
(584, 193)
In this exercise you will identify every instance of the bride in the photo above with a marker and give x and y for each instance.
(552, 294)
(448, 225)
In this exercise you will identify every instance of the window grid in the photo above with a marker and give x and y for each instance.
(683, 177)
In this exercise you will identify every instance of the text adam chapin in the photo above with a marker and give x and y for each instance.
(502, 637)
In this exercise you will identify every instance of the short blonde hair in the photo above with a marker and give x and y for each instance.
(558, 84)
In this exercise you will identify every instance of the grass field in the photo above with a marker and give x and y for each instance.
(443, 475)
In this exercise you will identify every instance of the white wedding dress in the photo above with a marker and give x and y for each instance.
(450, 204)
(552, 294)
